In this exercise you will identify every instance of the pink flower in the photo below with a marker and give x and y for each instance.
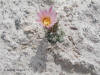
(47, 18)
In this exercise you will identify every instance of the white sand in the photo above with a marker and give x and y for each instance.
(24, 50)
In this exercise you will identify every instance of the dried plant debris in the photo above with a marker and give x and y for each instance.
(73, 28)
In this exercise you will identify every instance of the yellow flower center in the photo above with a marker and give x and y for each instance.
(46, 21)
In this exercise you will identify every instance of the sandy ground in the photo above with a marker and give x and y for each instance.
(25, 51)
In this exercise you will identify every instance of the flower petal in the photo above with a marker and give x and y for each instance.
(47, 13)
(39, 15)
(50, 9)
(38, 20)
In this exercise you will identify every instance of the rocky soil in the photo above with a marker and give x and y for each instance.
(24, 49)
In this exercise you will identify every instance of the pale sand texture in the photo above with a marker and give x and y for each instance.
(25, 51)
